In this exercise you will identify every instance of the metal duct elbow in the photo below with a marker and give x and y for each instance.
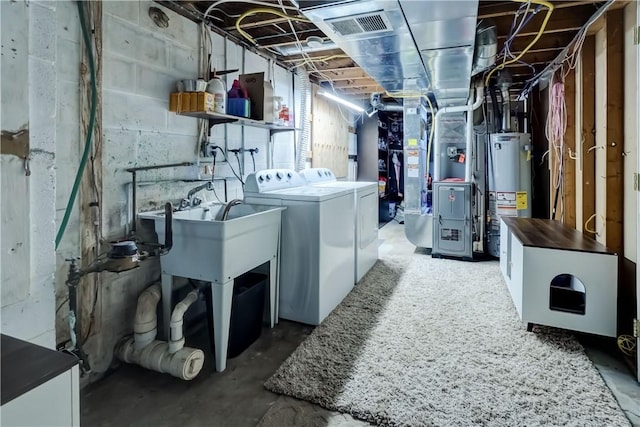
(486, 46)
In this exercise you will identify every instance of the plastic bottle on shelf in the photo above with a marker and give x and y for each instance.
(218, 89)
(238, 100)
(237, 91)
(283, 118)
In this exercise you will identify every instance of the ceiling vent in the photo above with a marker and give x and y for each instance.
(367, 23)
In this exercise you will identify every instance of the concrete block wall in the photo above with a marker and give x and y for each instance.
(141, 64)
(67, 128)
(29, 93)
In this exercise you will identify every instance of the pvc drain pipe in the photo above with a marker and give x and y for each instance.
(143, 349)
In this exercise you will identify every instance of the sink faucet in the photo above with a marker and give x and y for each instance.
(192, 201)
(224, 213)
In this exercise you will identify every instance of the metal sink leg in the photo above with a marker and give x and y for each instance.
(221, 296)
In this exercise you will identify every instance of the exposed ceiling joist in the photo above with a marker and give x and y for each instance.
(571, 18)
(550, 41)
(346, 74)
(488, 11)
(364, 92)
(274, 32)
(266, 41)
(356, 84)
(257, 24)
(338, 65)
(291, 42)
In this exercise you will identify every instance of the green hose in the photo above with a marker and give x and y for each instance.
(92, 117)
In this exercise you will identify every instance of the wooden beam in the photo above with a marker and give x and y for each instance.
(260, 40)
(599, 24)
(540, 163)
(547, 41)
(338, 65)
(537, 57)
(259, 23)
(509, 9)
(348, 68)
(573, 19)
(361, 91)
(90, 200)
(347, 74)
(569, 179)
(588, 131)
(615, 129)
(318, 54)
(368, 83)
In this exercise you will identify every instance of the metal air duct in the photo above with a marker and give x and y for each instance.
(504, 82)
(486, 46)
(401, 43)
(377, 104)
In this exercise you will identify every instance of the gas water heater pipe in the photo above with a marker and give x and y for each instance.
(469, 108)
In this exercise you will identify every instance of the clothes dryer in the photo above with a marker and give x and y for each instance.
(317, 249)
(365, 219)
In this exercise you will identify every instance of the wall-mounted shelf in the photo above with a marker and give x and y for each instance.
(218, 118)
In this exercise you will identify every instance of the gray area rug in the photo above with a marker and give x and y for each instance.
(424, 341)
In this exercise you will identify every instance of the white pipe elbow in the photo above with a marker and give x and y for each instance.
(145, 326)
(176, 336)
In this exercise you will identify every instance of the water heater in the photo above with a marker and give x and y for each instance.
(509, 170)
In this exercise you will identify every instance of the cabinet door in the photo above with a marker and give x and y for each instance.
(505, 252)
(53, 401)
(516, 268)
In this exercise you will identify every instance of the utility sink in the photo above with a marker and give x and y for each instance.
(217, 251)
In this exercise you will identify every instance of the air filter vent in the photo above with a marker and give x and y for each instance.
(368, 23)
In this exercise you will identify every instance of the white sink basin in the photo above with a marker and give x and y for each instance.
(218, 251)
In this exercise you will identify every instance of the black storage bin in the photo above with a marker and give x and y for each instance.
(247, 310)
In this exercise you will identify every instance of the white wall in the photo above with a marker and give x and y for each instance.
(28, 203)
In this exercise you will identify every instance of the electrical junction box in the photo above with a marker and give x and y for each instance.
(452, 220)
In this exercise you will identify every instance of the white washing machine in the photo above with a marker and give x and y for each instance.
(366, 215)
(317, 247)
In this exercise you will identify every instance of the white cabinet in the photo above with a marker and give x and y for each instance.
(558, 277)
(40, 387)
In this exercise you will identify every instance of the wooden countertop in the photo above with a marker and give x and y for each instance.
(548, 234)
(25, 366)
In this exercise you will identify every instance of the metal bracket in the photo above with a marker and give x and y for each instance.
(27, 168)
(636, 328)
(636, 181)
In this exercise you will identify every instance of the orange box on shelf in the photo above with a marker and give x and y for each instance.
(205, 102)
(174, 101)
(184, 102)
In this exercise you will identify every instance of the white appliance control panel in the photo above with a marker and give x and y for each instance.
(315, 175)
(272, 179)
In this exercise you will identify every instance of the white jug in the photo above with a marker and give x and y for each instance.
(219, 90)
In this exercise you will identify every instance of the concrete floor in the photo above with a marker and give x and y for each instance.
(133, 396)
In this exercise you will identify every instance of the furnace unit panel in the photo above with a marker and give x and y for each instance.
(452, 220)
